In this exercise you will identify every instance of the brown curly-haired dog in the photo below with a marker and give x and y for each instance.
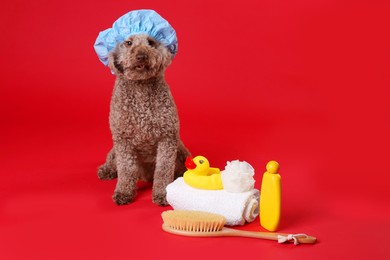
(143, 121)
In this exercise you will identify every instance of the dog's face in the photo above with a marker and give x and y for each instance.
(140, 57)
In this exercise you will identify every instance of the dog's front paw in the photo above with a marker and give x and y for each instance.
(160, 199)
(106, 173)
(123, 198)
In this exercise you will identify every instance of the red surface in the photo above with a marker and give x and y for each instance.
(303, 82)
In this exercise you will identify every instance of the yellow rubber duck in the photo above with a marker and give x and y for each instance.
(200, 175)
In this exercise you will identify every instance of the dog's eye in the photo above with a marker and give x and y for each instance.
(129, 43)
(151, 43)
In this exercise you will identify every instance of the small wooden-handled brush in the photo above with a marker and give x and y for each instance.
(204, 224)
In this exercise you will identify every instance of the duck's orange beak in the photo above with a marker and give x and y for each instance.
(190, 165)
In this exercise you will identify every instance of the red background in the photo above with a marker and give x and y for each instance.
(303, 82)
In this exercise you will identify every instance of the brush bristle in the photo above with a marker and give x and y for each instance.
(193, 221)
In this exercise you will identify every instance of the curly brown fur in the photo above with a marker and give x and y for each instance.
(143, 122)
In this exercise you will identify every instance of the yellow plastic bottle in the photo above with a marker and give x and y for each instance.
(271, 197)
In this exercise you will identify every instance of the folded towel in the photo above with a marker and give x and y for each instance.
(237, 208)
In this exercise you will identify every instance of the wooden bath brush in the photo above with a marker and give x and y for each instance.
(204, 224)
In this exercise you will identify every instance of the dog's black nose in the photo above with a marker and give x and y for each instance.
(141, 56)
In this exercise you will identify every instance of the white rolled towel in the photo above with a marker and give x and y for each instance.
(237, 208)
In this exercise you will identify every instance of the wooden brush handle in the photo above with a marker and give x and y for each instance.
(301, 239)
(228, 232)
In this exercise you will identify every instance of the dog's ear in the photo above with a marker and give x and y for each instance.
(114, 63)
(168, 58)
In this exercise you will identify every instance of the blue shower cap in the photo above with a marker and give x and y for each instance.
(135, 22)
